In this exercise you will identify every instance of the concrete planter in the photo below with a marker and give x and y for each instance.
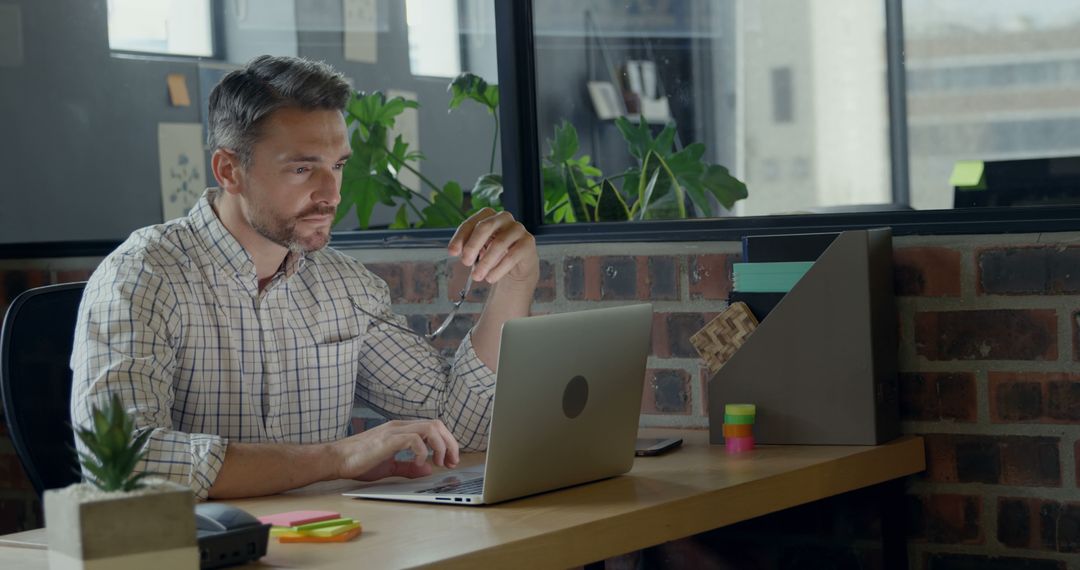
(90, 529)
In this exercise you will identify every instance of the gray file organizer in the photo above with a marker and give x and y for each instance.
(822, 369)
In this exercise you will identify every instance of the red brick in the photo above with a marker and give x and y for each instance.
(581, 278)
(962, 458)
(1042, 397)
(1030, 461)
(73, 275)
(1059, 526)
(672, 332)
(930, 396)
(393, 275)
(545, 287)
(658, 278)
(409, 282)
(15, 281)
(1015, 521)
(950, 519)
(1039, 524)
(1004, 334)
(459, 274)
(1063, 399)
(1029, 270)
(927, 271)
(710, 276)
(423, 284)
(666, 392)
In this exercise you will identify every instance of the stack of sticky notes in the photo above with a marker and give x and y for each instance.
(738, 427)
(312, 526)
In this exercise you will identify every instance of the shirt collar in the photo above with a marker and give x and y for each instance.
(224, 250)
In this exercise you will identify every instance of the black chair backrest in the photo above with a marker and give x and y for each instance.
(35, 382)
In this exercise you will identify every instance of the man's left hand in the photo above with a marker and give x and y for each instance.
(496, 245)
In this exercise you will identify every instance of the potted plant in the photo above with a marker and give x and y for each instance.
(117, 519)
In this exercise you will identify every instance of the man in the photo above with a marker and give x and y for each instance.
(240, 340)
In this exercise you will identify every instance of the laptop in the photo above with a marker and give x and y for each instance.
(567, 401)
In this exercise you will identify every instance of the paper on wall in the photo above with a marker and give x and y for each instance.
(361, 37)
(183, 167)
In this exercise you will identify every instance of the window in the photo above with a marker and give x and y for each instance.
(434, 42)
(831, 107)
(790, 97)
(988, 81)
(172, 27)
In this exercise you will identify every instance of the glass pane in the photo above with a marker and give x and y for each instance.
(173, 27)
(434, 41)
(65, 93)
(996, 81)
(644, 108)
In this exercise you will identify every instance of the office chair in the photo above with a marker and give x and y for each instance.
(35, 382)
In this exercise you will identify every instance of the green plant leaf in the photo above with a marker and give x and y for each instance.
(727, 189)
(565, 144)
(364, 198)
(574, 194)
(135, 482)
(487, 192)
(471, 86)
(373, 109)
(445, 210)
(343, 207)
(610, 205)
(646, 193)
(638, 138)
(401, 219)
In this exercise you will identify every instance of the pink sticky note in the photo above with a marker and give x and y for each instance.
(297, 518)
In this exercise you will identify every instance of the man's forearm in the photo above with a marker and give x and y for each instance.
(509, 300)
(256, 469)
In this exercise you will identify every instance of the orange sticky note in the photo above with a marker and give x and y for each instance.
(343, 537)
(178, 92)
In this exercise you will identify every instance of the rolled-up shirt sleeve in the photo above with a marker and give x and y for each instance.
(124, 345)
(404, 377)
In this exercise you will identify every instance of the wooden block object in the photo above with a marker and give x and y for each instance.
(719, 339)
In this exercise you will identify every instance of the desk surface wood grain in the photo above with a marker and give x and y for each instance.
(693, 489)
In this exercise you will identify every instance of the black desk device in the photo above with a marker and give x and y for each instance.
(228, 535)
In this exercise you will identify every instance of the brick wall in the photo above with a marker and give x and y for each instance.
(990, 375)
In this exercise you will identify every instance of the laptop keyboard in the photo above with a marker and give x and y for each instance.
(468, 487)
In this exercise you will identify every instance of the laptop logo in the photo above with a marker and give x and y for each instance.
(575, 396)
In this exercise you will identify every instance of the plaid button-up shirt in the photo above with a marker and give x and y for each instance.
(173, 321)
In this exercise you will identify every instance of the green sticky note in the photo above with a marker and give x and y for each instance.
(968, 175)
(322, 524)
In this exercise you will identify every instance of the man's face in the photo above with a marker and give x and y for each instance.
(293, 184)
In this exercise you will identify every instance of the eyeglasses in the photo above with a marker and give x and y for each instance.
(453, 308)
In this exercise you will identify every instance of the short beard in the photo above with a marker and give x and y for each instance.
(283, 232)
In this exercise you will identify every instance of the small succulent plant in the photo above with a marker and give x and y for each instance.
(114, 450)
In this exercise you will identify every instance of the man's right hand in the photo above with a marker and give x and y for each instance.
(369, 456)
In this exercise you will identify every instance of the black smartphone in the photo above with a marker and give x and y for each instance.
(646, 447)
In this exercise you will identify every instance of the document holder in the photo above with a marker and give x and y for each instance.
(822, 369)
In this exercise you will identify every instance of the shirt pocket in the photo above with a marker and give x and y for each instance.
(328, 376)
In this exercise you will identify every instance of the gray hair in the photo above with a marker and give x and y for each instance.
(245, 97)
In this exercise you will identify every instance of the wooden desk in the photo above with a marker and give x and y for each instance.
(691, 490)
